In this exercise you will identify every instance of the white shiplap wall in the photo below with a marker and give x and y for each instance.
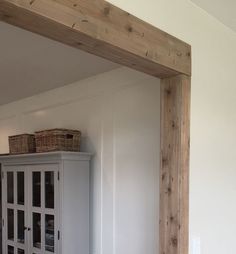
(118, 113)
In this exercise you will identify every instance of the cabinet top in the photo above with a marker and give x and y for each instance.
(45, 157)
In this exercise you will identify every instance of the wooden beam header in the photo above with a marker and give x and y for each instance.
(102, 29)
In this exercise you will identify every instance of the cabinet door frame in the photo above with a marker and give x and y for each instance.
(16, 207)
(28, 207)
(42, 210)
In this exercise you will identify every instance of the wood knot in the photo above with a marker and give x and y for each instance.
(75, 5)
(163, 176)
(84, 20)
(168, 91)
(130, 29)
(174, 241)
(169, 190)
(31, 2)
(164, 161)
(79, 43)
(173, 125)
(189, 54)
(106, 11)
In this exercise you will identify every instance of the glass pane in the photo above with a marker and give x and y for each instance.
(49, 189)
(20, 226)
(20, 251)
(49, 233)
(20, 188)
(10, 187)
(10, 224)
(37, 230)
(10, 250)
(36, 189)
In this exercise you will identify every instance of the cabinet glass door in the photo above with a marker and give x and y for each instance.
(14, 212)
(43, 203)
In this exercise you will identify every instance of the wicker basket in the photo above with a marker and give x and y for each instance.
(24, 143)
(57, 140)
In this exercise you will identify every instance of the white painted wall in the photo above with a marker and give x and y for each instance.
(213, 117)
(118, 114)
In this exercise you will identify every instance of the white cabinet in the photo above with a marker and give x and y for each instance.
(46, 203)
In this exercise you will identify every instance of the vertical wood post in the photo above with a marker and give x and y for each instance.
(174, 172)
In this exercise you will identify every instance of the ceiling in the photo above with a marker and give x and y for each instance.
(223, 10)
(31, 64)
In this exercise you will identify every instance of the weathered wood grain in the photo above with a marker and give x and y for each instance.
(102, 29)
(174, 174)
